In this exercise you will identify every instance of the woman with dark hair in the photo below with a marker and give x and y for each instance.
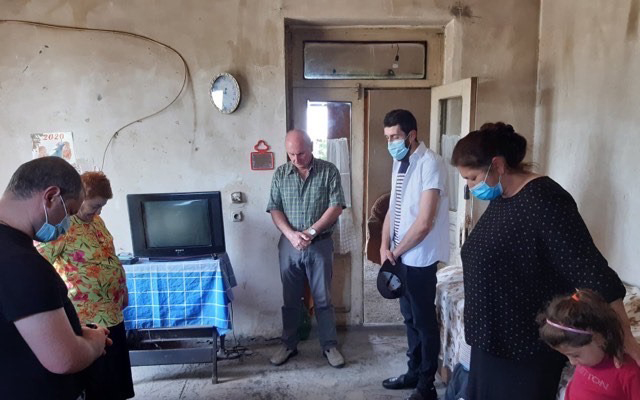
(86, 260)
(529, 246)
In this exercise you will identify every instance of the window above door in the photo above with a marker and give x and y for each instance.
(375, 57)
(365, 60)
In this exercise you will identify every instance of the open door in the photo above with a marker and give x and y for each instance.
(331, 117)
(453, 110)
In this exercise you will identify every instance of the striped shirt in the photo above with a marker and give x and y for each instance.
(398, 206)
(425, 171)
(304, 201)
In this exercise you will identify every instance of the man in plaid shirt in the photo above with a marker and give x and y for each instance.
(305, 202)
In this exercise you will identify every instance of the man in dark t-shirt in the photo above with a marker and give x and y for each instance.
(43, 347)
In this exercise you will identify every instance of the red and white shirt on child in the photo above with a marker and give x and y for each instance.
(605, 382)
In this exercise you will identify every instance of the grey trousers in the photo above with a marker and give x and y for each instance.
(316, 263)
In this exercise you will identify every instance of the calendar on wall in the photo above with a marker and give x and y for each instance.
(57, 144)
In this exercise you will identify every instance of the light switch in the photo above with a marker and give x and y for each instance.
(237, 197)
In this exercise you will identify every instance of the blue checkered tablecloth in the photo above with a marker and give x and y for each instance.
(182, 293)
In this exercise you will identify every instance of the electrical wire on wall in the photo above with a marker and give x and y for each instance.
(186, 78)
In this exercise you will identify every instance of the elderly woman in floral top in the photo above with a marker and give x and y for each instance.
(86, 259)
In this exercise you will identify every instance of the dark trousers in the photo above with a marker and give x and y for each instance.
(423, 335)
(316, 264)
(496, 378)
(109, 377)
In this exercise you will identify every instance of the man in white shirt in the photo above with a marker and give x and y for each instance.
(415, 235)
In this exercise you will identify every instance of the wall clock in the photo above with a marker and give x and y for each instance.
(225, 93)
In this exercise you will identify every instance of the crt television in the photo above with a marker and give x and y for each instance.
(176, 225)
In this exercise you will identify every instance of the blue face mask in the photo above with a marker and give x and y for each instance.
(485, 192)
(48, 232)
(397, 149)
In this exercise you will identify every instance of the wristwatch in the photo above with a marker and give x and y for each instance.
(312, 231)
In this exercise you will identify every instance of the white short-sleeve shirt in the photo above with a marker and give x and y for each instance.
(426, 171)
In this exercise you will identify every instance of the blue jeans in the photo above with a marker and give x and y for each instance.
(423, 335)
(316, 263)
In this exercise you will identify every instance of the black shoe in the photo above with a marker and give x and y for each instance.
(400, 382)
(417, 394)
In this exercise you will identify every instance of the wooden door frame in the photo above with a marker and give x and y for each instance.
(467, 90)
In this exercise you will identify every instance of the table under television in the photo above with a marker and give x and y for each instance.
(176, 308)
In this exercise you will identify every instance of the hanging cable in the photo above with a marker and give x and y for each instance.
(186, 78)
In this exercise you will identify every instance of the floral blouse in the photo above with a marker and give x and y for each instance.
(86, 260)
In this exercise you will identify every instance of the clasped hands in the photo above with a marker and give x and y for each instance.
(300, 240)
(98, 334)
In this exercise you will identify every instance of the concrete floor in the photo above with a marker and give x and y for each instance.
(372, 354)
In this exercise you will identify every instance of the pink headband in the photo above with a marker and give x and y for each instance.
(567, 328)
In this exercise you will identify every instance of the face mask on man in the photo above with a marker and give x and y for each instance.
(49, 232)
(398, 149)
(485, 192)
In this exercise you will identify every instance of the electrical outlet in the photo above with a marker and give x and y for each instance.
(237, 216)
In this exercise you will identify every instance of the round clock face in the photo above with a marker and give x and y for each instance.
(225, 93)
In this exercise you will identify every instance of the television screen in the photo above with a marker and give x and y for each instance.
(177, 223)
(172, 225)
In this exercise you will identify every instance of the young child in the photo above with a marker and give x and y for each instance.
(585, 328)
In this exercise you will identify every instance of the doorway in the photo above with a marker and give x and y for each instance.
(353, 77)
(333, 118)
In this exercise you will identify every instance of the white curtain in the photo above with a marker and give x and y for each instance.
(338, 154)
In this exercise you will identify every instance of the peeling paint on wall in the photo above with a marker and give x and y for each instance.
(461, 10)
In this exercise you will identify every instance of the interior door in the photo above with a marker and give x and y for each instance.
(453, 110)
(333, 114)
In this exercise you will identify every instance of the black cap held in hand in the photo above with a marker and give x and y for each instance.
(391, 280)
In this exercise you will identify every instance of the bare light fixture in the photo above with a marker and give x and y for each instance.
(397, 59)
(395, 64)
